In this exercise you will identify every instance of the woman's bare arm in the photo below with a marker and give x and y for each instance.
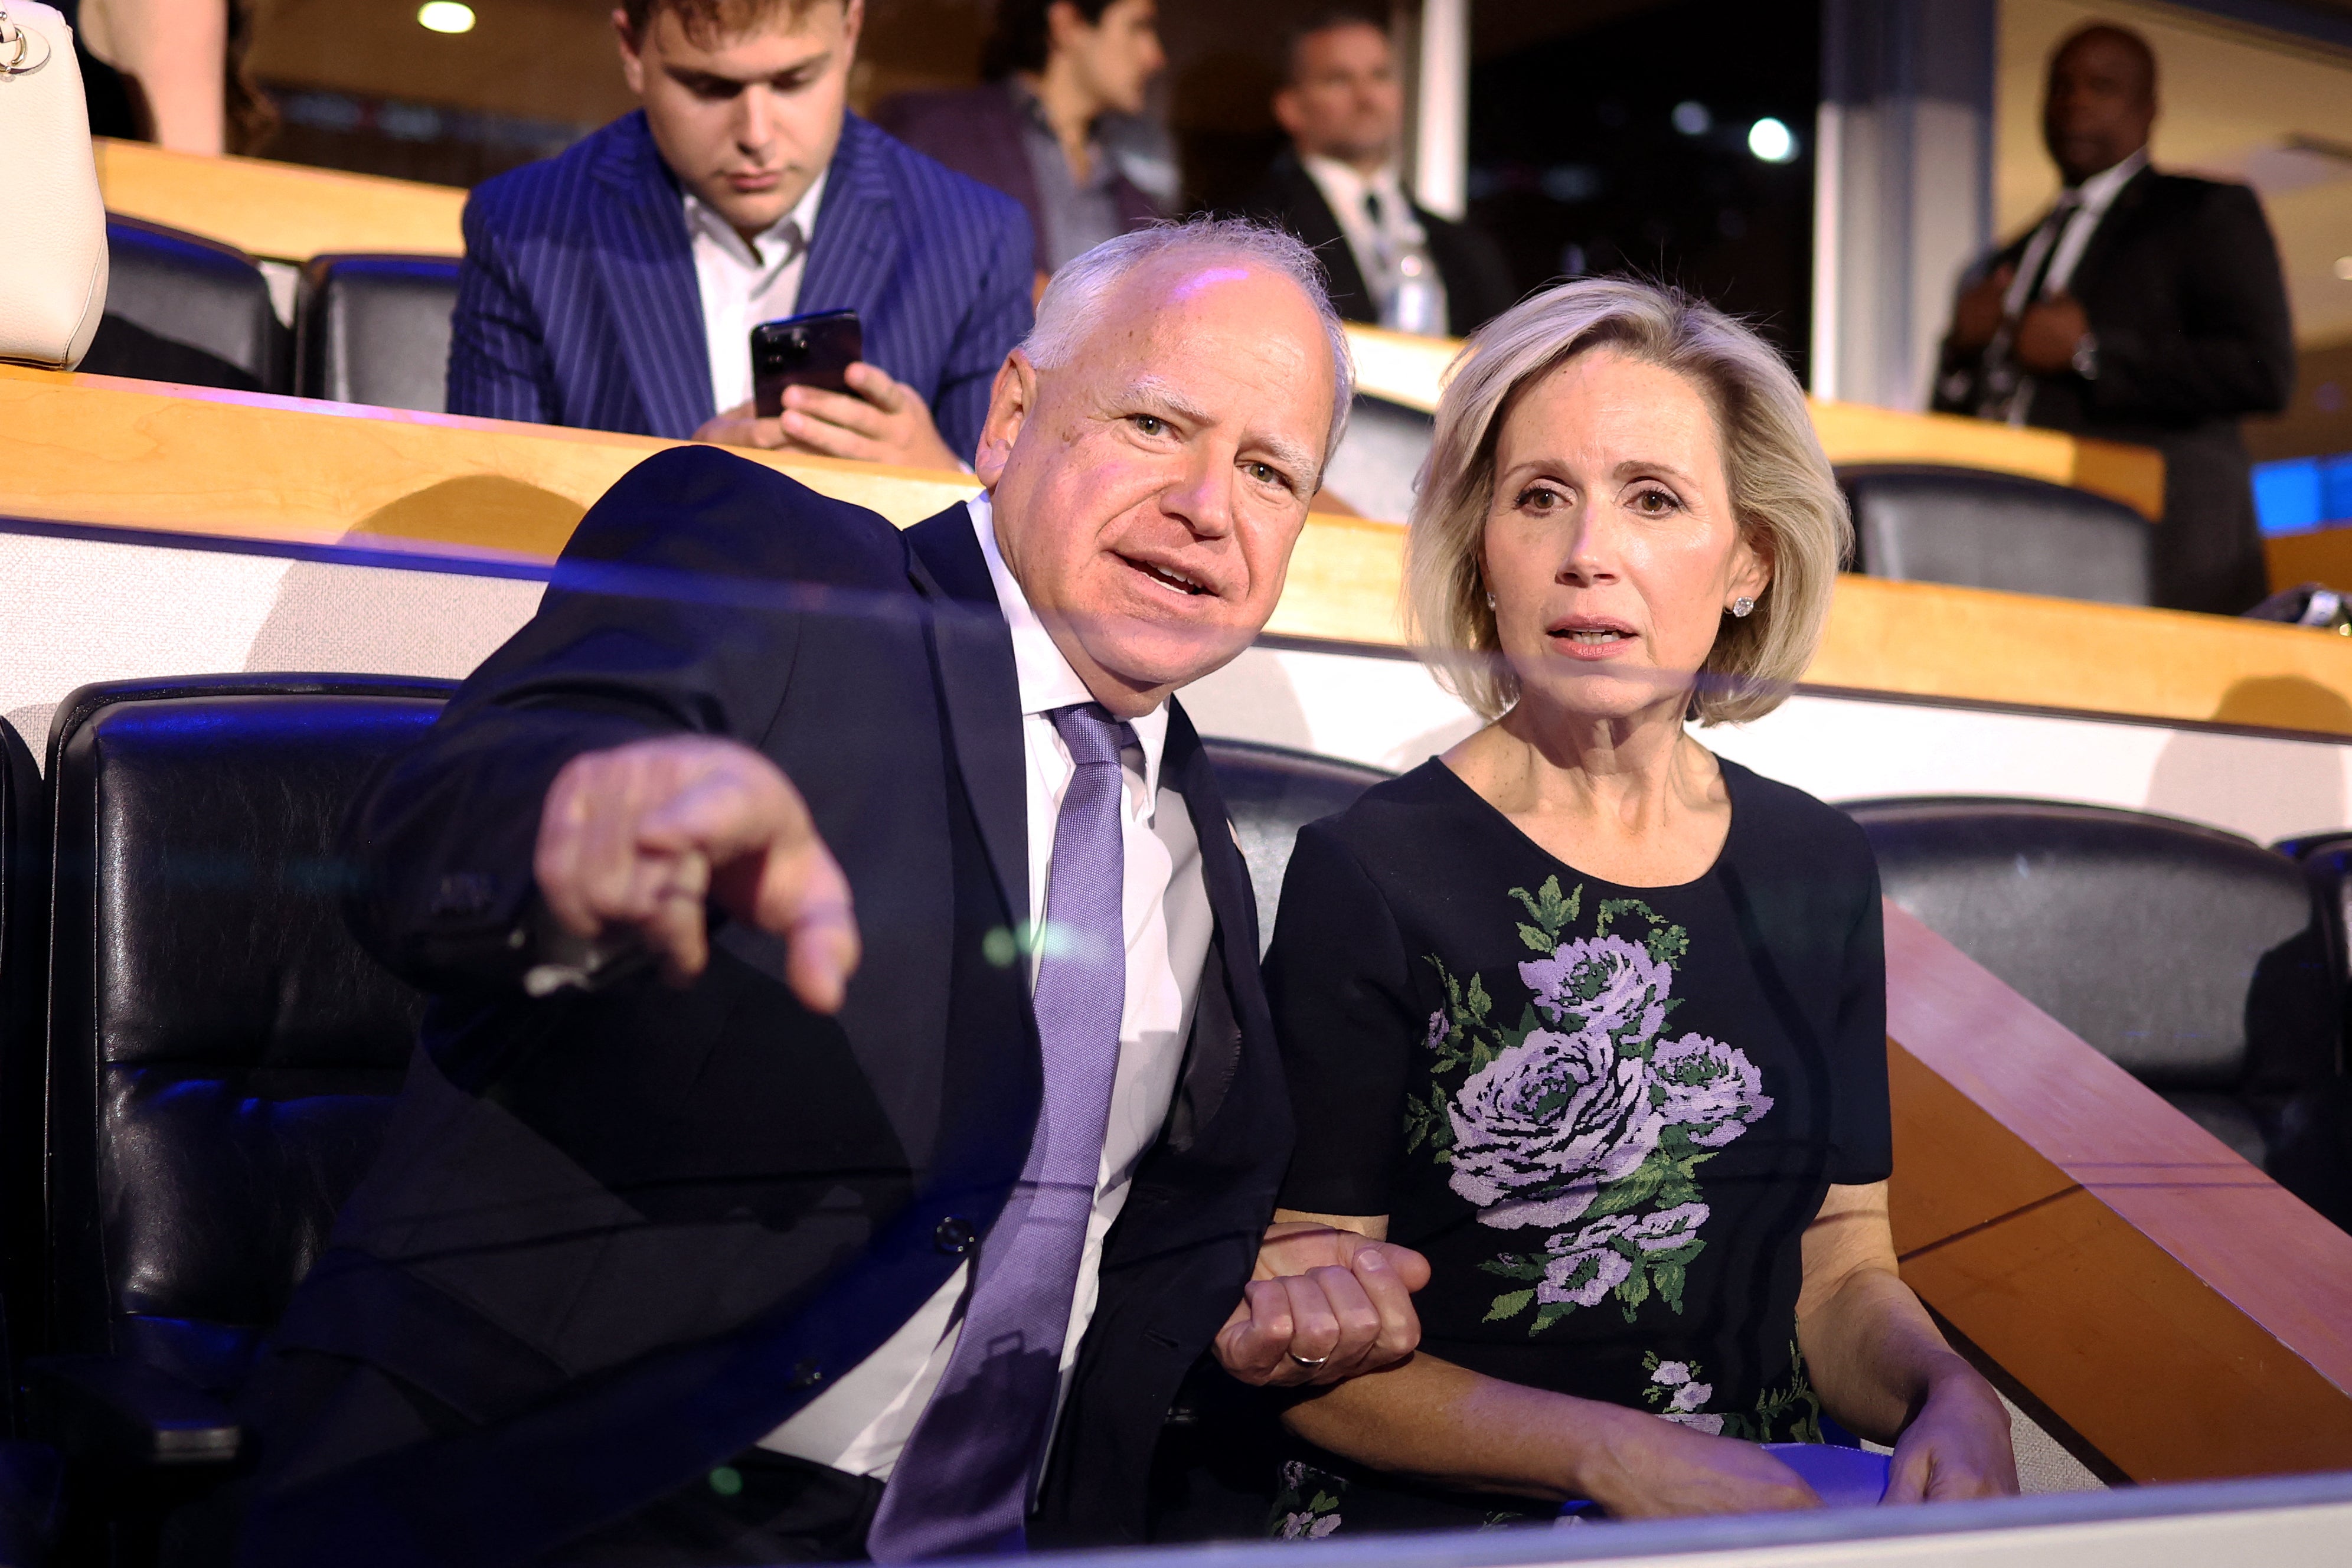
(1882, 1368)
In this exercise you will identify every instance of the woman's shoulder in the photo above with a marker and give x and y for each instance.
(1391, 825)
(1781, 827)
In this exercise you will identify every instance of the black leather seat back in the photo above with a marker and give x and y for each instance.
(24, 961)
(2196, 960)
(222, 1053)
(375, 329)
(1981, 529)
(197, 292)
(1272, 792)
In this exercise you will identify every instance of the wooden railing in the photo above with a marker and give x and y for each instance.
(2170, 1305)
(137, 455)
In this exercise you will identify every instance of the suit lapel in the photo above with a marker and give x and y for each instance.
(982, 693)
(1318, 228)
(2114, 221)
(645, 265)
(1226, 988)
(854, 252)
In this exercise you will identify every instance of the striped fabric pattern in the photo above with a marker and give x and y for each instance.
(577, 303)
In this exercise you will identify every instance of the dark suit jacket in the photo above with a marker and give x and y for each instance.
(977, 131)
(1478, 285)
(578, 302)
(2181, 282)
(618, 1236)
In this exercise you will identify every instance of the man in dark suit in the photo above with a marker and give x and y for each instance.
(1392, 262)
(685, 1273)
(1053, 69)
(615, 287)
(2145, 308)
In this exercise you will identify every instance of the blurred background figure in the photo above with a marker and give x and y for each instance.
(168, 71)
(1392, 262)
(1053, 72)
(2144, 307)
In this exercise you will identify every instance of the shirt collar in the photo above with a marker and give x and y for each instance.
(703, 218)
(1046, 678)
(1346, 181)
(2098, 193)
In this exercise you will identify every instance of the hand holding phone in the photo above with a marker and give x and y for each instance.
(814, 349)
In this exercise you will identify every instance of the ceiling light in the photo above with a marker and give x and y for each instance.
(1692, 119)
(2343, 268)
(1771, 141)
(445, 16)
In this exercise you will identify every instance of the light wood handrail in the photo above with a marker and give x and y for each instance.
(137, 455)
(2178, 1310)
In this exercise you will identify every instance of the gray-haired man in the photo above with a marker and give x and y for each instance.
(796, 1257)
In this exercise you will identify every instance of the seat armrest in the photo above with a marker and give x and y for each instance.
(116, 1408)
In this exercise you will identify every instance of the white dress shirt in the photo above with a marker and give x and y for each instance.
(862, 1422)
(2093, 196)
(1392, 253)
(744, 285)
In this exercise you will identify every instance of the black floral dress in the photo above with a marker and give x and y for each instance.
(1606, 1114)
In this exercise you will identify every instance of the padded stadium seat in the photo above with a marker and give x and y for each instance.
(221, 1054)
(375, 329)
(190, 302)
(2198, 960)
(1981, 530)
(1271, 791)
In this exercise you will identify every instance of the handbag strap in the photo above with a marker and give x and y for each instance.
(22, 50)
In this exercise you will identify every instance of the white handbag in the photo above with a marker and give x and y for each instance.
(53, 254)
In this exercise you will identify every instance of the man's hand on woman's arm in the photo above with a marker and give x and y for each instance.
(1328, 1301)
(641, 837)
(1882, 1370)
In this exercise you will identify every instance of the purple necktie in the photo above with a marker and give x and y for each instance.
(962, 1482)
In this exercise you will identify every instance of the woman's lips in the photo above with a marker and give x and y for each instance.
(1593, 643)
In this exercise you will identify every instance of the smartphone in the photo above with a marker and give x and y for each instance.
(814, 349)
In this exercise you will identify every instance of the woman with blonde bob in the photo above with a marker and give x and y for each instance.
(1589, 1017)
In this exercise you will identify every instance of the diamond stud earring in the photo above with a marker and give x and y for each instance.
(1741, 607)
(1490, 601)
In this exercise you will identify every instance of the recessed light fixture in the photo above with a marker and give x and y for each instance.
(1771, 141)
(2343, 268)
(1692, 118)
(445, 16)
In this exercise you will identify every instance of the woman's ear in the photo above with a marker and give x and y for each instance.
(1752, 567)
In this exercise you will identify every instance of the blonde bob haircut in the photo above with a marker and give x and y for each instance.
(1788, 504)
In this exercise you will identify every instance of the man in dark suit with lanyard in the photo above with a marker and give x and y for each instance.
(1393, 263)
(2145, 308)
(615, 287)
(796, 1257)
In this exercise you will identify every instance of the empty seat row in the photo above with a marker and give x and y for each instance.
(181, 308)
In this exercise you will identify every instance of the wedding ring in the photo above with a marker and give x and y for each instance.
(1309, 1365)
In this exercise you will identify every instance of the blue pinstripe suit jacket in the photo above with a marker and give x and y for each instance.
(578, 302)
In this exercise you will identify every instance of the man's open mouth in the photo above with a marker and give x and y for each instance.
(1169, 577)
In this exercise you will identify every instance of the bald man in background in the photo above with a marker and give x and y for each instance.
(2145, 308)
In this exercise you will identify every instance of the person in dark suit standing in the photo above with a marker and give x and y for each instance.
(1052, 69)
(766, 1264)
(615, 287)
(2144, 307)
(1392, 262)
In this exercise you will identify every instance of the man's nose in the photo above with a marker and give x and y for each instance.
(755, 121)
(1203, 497)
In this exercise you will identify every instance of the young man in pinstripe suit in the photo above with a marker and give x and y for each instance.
(615, 287)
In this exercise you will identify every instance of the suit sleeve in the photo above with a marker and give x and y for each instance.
(498, 364)
(1000, 316)
(1343, 1015)
(662, 618)
(2237, 354)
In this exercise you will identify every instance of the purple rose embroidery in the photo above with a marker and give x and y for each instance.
(1663, 1230)
(1604, 982)
(1708, 1089)
(1436, 1030)
(1584, 1267)
(1540, 1128)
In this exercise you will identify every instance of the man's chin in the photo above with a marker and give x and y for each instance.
(1151, 659)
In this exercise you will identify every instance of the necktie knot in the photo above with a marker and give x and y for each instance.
(1091, 733)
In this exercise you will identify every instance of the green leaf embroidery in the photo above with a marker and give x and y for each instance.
(1550, 1312)
(1510, 1304)
(1535, 937)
